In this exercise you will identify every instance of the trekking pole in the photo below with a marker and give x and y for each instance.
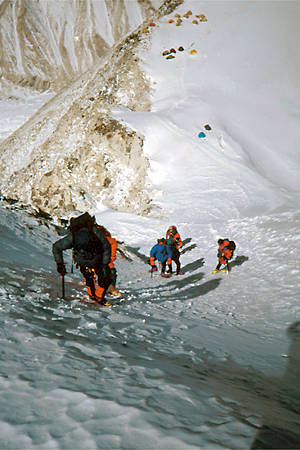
(63, 286)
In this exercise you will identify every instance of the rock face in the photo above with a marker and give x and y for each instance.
(46, 44)
(72, 153)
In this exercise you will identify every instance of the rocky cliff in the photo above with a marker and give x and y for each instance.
(72, 154)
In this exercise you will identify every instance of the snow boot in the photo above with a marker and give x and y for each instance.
(114, 293)
(103, 302)
(100, 301)
(169, 269)
(164, 275)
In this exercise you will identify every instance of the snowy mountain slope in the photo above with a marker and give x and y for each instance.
(245, 168)
(248, 163)
(241, 181)
(245, 88)
(47, 44)
(242, 105)
(73, 139)
(197, 361)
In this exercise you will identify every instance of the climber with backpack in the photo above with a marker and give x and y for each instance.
(225, 253)
(163, 254)
(173, 240)
(91, 254)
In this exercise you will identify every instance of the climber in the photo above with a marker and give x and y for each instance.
(162, 253)
(225, 253)
(91, 253)
(173, 240)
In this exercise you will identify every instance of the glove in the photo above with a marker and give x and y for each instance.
(60, 267)
(153, 269)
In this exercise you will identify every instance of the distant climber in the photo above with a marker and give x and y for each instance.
(225, 253)
(91, 253)
(163, 254)
(174, 241)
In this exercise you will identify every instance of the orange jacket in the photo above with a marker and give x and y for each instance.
(223, 252)
(113, 246)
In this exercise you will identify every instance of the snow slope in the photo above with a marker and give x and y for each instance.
(198, 361)
(242, 181)
(248, 163)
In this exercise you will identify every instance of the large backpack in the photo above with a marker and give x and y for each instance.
(231, 246)
(87, 248)
(170, 242)
(83, 221)
(226, 249)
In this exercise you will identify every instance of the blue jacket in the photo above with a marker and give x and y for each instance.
(161, 252)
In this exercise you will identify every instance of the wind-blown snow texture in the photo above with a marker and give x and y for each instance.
(198, 361)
